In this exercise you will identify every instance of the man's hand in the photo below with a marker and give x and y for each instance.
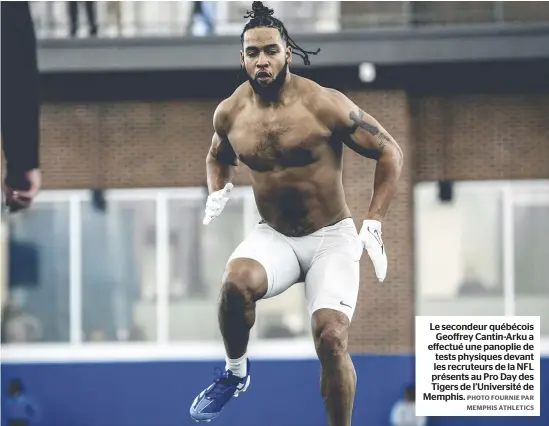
(216, 203)
(21, 189)
(370, 234)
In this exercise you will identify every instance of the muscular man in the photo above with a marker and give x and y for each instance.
(289, 132)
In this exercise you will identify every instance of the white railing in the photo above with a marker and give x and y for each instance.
(134, 19)
(175, 18)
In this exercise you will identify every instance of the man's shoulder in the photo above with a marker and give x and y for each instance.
(237, 99)
(331, 97)
(228, 107)
(324, 102)
(316, 95)
(311, 90)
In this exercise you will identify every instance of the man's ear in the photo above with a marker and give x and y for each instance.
(242, 59)
(289, 54)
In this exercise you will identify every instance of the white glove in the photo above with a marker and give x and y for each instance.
(216, 203)
(370, 234)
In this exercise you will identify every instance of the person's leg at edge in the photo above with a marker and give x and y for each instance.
(244, 283)
(338, 375)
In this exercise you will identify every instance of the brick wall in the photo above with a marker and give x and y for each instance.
(165, 143)
(382, 320)
(465, 137)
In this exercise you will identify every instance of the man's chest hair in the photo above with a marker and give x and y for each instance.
(288, 137)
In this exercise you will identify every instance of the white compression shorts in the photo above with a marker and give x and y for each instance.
(328, 259)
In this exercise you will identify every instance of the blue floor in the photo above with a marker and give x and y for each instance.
(282, 393)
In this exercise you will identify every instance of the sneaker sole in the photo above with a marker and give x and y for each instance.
(237, 392)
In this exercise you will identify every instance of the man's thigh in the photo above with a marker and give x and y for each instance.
(332, 281)
(274, 253)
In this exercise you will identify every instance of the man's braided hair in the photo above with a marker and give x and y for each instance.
(262, 17)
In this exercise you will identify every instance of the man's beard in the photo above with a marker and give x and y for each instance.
(271, 90)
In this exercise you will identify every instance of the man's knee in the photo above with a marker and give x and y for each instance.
(331, 331)
(332, 340)
(245, 278)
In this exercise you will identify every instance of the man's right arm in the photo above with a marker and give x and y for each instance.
(221, 160)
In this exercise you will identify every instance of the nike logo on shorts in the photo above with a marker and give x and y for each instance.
(344, 304)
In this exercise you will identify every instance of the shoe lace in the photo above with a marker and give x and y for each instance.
(222, 381)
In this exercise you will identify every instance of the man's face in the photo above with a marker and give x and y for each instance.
(265, 58)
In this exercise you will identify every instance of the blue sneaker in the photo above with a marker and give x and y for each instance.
(209, 403)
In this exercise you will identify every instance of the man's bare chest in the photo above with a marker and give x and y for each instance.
(283, 139)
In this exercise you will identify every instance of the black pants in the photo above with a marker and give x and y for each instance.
(90, 15)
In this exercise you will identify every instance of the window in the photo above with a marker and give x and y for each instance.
(132, 266)
(118, 270)
(485, 252)
(530, 218)
(37, 308)
(198, 255)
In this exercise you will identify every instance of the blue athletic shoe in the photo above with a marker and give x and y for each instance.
(209, 403)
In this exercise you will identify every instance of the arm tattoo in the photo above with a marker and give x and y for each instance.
(373, 130)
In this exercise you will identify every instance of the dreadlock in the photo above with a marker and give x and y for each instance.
(262, 17)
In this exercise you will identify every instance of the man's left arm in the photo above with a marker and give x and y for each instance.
(365, 135)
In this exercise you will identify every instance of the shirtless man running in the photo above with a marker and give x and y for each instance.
(289, 132)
